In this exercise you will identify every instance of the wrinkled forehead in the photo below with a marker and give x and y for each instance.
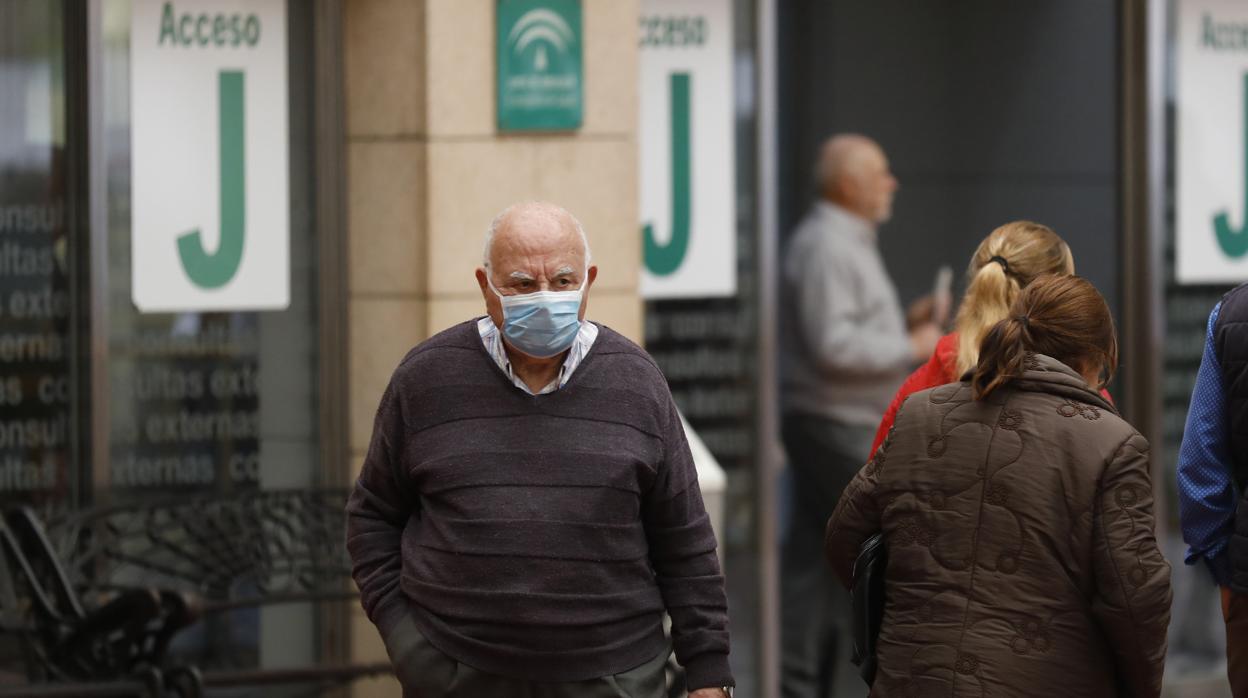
(537, 239)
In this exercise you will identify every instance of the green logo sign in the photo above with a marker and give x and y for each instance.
(539, 65)
(216, 269)
(662, 260)
(1234, 242)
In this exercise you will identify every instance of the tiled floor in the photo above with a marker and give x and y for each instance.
(1195, 663)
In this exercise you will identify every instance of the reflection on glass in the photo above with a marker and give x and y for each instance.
(707, 349)
(36, 425)
(1197, 651)
(215, 404)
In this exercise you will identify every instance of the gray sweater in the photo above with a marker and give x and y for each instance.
(538, 536)
(844, 349)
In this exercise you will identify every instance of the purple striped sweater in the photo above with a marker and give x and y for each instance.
(538, 537)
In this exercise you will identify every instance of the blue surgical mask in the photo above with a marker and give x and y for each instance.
(541, 324)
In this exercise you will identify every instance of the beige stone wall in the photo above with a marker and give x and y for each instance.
(427, 171)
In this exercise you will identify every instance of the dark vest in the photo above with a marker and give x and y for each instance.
(1230, 343)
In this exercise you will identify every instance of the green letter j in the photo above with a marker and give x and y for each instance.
(215, 270)
(662, 260)
(1235, 242)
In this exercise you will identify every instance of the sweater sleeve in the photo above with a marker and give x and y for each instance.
(682, 551)
(377, 512)
(1132, 600)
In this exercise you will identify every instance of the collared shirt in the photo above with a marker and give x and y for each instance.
(842, 219)
(493, 340)
(844, 346)
(1206, 489)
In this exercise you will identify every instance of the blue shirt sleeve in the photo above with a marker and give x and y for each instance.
(1207, 494)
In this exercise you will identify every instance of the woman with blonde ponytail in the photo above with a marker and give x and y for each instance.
(1003, 264)
(1016, 508)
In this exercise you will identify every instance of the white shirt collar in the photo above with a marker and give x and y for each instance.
(492, 338)
(842, 219)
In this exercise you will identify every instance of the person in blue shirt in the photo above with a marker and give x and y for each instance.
(1213, 472)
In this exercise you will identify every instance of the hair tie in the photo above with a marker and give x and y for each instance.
(1023, 320)
(1005, 266)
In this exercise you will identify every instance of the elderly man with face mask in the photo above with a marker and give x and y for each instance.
(529, 508)
(845, 349)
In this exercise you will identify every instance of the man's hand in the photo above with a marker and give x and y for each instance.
(923, 340)
(921, 311)
(933, 308)
(709, 693)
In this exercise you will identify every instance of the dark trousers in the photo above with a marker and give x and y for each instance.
(823, 456)
(1235, 610)
(424, 671)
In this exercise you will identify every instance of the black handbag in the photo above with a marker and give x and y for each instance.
(867, 597)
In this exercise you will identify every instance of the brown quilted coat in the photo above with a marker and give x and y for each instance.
(1021, 560)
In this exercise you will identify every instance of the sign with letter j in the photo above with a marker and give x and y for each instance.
(1211, 142)
(210, 221)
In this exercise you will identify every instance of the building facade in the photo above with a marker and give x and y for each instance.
(376, 154)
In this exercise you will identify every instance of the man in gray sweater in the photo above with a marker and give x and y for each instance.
(529, 508)
(845, 350)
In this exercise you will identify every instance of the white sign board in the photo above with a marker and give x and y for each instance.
(210, 181)
(688, 192)
(1211, 230)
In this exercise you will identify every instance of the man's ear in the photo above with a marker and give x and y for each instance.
(493, 307)
(590, 276)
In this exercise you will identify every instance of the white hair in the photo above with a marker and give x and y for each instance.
(502, 215)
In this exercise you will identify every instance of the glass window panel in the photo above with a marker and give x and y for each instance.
(1197, 635)
(217, 404)
(708, 350)
(37, 421)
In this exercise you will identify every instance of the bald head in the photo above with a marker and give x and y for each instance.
(845, 155)
(853, 173)
(535, 221)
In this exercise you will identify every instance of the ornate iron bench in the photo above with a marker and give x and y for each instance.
(117, 600)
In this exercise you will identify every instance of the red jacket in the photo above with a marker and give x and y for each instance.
(939, 370)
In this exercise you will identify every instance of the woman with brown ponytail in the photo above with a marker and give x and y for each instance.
(1017, 511)
(1005, 262)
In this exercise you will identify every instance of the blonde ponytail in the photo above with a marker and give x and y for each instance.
(986, 302)
(1005, 262)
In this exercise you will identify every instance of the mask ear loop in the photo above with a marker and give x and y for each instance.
(489, 280)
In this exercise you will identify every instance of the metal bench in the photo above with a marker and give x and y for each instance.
(94, 603)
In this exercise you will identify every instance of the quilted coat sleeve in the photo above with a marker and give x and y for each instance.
(855, 519)
(1132, 600)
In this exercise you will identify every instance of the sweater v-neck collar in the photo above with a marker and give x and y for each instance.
(475, 338)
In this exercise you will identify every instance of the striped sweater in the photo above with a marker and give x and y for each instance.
(538, 537)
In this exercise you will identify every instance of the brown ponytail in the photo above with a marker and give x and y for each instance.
(1002, 356)
(1063, 317)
